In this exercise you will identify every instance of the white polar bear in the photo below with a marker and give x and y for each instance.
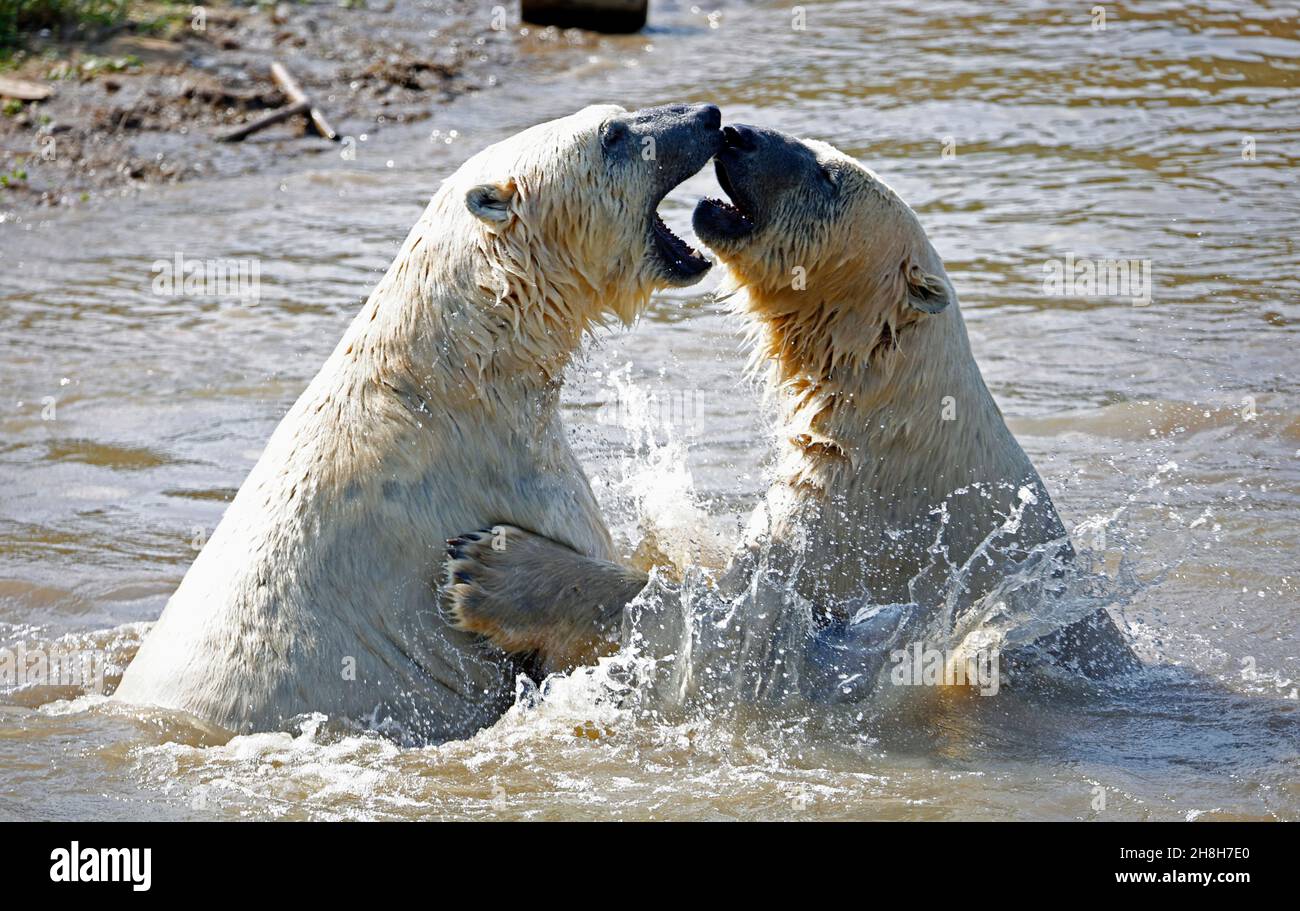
(438, 411)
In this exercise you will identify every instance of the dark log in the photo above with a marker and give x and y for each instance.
(615, 16)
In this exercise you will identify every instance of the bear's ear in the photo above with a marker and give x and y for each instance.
(925, 292)
(490, 202)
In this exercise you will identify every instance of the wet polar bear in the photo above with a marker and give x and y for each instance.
(437, 411)
(891, 449)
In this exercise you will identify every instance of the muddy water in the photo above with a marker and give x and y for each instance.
(1169, 433)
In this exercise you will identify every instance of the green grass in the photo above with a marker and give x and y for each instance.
(16, 176)
(64, 18)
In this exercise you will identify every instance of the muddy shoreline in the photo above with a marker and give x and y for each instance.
(143, 106)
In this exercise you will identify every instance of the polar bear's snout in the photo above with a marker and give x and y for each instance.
(761, 171)
(674, 141)
(678, 138)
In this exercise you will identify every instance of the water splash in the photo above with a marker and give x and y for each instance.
(701, 649)
(651, 485)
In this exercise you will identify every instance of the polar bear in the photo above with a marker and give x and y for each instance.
(437, 411)
(894, 458)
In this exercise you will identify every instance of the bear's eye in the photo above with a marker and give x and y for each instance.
(612, 133)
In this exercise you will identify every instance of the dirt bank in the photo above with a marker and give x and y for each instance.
(142, 102)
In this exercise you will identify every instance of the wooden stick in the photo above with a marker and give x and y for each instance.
(296, 95)
(235, 135)
(299, 103)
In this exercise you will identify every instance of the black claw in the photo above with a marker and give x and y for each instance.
(462, 576)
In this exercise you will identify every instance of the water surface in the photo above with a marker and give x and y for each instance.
(1173, 426)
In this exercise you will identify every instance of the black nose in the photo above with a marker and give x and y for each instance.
(740, 137)
(711, 116)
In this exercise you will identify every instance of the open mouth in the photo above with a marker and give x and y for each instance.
(724, 219)
(684, 262)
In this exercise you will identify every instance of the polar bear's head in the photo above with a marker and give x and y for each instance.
(564, 213)
(832, 261)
